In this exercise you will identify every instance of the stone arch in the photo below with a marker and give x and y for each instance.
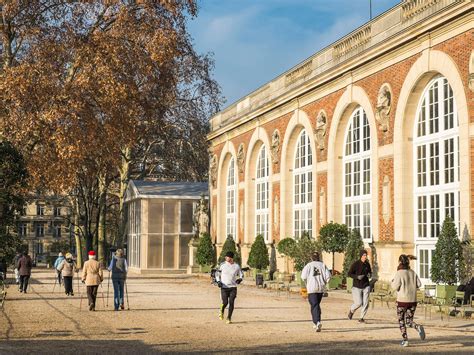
(259, 138)
(297, 123)
(352, 97)
(430, 64)
(227, 153)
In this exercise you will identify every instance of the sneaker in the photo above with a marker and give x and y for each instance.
(221, 315)
(318, 327)
(20, 291)
(71, 294)
(361, 320)
(404, 343)
(122, 307)
(421, 332)
(228, 321)
(91, 307)
(350, 315)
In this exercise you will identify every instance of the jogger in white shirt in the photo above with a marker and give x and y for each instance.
(228, 277)
(316, 275)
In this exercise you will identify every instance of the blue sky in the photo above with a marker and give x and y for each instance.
(254, 41)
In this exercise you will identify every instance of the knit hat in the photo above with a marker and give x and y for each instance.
(92, 253)
(229, 254)
(363, 252)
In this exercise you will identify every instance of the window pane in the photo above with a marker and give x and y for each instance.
(186, 217)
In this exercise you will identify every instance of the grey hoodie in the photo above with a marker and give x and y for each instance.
(316, 275)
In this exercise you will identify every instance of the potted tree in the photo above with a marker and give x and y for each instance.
(205, 253)
(229, 245)
(286, 248)
(333, 238)
(258, 257)
(305, 247)
(353, 248)
(447, 265)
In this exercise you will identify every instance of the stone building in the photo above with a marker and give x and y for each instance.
(160, 224)
(375, 131)
(44, 220)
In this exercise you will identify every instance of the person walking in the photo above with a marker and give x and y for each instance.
(67, 268)
(316, 275)
(92, 277)
(58, 262)
(118, 266)
(406, 282)
(229, 276)
(24, 269)
(17, 274)
(360, 271)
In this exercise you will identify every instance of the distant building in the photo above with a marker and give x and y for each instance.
(374, 131)
(43, 221)
(160, 224)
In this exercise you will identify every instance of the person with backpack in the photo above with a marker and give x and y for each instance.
(118, 266)
(58, 262)
(406, 282)
(360, 271)
(24, 266)
(316, 275)
(228, 277)
(67, 268)
(92, 277)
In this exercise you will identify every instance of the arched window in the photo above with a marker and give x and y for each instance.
(357, 199)
(303, 187)
(436, 168)
(230, 200)
(262, 194)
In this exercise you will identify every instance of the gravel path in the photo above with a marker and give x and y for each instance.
(179, 314)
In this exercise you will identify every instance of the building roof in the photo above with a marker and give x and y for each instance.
(160, 189)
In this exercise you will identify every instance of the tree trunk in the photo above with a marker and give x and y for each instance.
(333, 257)
(124, 177)
(77, 234)
(102, 214)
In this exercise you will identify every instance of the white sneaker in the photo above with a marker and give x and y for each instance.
(318, 327)
(404, 343)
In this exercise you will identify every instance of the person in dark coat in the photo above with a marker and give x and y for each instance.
(360, 272)
(24, 269)
(118, 267)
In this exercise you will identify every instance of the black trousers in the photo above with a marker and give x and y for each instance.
(315, 301)
(68, 284)
(228, 297)
(24, 282)
(92, 294)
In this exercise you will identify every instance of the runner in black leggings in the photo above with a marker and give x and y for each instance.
(228, 277)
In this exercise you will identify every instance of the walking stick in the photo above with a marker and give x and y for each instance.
(108, 284)
(126, 291)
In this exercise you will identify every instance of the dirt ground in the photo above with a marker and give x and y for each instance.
(180, 314)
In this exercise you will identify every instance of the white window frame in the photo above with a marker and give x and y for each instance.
(231, 188)
(355, 196)
(303, 186)
(262, 195)
(430, 189)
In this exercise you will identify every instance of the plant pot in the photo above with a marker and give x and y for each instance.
(204, 268)
(446, 292)
(349, 283)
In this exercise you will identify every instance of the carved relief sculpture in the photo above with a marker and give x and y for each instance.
(320, 131)
(471, 71)
(382, 109)
(213, 170)
(275, 146)
(241, 158)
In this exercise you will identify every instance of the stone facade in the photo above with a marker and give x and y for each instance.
(405, 50)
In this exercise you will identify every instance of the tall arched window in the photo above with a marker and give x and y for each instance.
(303, 187)
(230, 200)
(357, 199)
(262, 194)
(436, 160)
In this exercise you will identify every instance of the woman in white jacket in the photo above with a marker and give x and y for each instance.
(406, 282)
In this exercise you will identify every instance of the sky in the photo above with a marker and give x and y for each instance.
(254, 41)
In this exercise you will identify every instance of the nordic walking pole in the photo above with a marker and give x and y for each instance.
(126, 291)
(108, 284)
